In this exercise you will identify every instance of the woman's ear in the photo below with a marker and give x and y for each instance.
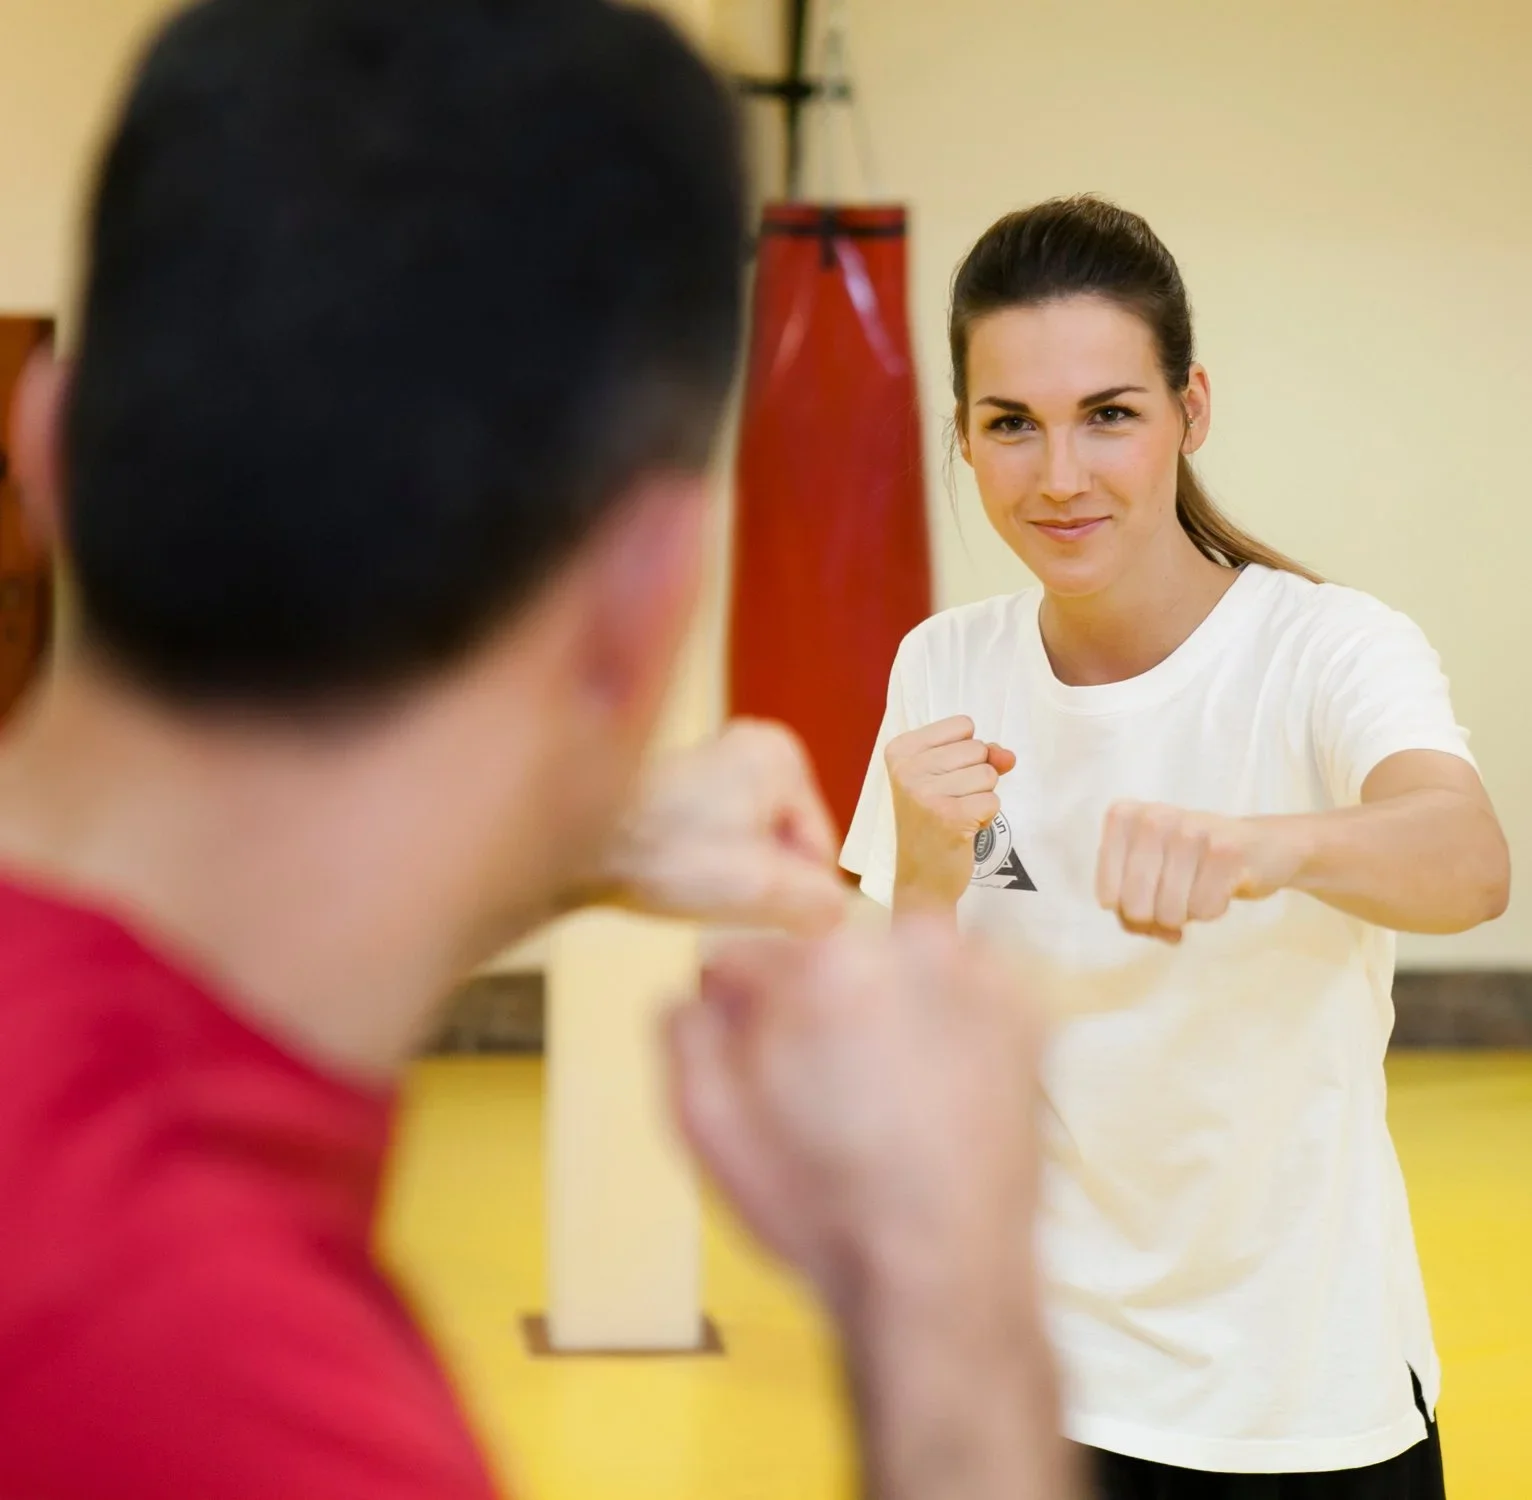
(1197, 403)
(960, 427)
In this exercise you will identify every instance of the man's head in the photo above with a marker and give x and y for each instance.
(405, 333)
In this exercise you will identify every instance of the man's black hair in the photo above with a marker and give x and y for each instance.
(387, 302)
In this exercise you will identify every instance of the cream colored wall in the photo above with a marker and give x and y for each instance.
(1348, 188)
(61, 63)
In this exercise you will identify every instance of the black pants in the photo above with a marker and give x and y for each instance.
(1415, 1474)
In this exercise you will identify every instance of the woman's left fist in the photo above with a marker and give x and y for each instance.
(1161, 867)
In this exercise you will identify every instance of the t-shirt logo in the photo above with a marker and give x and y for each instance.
(994, 860)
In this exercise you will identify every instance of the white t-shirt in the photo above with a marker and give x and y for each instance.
(1225, 1227)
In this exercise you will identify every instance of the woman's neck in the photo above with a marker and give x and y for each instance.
(1132, 627)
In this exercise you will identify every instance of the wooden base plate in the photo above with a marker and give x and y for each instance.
(534, 1329)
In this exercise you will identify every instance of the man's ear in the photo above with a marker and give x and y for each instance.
(36, 446)
(640, 579)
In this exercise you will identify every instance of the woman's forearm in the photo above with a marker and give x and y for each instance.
(1432, 860)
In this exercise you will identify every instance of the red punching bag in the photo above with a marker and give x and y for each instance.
(831, 548)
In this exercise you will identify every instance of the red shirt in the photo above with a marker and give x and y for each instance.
(188, 1306)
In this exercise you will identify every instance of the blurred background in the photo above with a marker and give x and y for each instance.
(1348, 189)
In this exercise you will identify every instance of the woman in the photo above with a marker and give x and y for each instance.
(1198, 788)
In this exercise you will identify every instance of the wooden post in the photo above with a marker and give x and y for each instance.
(624, 1223)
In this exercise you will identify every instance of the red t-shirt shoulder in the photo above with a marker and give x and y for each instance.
(188, 1305)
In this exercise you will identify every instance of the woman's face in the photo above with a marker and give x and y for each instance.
(1074, 436)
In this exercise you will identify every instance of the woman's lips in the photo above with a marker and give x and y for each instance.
(1071, 531)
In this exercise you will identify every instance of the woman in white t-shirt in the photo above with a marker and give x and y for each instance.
(1197, 789)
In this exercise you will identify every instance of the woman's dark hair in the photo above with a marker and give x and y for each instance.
(1086, 247)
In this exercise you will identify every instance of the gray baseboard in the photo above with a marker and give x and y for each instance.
(494, 1013)
(1450, 1008)
(1463, 1008)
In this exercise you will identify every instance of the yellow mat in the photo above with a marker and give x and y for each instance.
(463, 1231)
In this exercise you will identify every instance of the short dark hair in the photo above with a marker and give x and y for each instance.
(387, 301)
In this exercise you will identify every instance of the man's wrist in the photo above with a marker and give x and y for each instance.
(610, 883)
(913, 1277)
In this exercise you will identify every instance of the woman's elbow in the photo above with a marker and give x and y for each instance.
(1498, 894)
(1474, 886)
(1493, 887)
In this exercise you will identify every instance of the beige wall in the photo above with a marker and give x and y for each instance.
(1349, 190)
(61, 62)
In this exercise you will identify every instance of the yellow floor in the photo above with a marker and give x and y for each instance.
(766, 1423)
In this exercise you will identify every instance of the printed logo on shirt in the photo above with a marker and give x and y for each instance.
(995, 862)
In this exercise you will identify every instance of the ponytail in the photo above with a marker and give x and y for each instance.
(1216, 537)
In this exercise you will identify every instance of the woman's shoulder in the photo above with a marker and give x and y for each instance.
(1324, 609)
(967, 631)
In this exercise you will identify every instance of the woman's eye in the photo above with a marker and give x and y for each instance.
(1112, 416)
(1009, 426)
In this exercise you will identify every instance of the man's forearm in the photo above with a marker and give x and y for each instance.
(916, 894)
(958, 1400)
(1424, 861)
(913, 900)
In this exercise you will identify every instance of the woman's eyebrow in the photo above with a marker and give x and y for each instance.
(1021, 409)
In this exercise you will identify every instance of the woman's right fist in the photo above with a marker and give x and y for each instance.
(943, 782)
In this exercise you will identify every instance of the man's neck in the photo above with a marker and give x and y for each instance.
(295, 871)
